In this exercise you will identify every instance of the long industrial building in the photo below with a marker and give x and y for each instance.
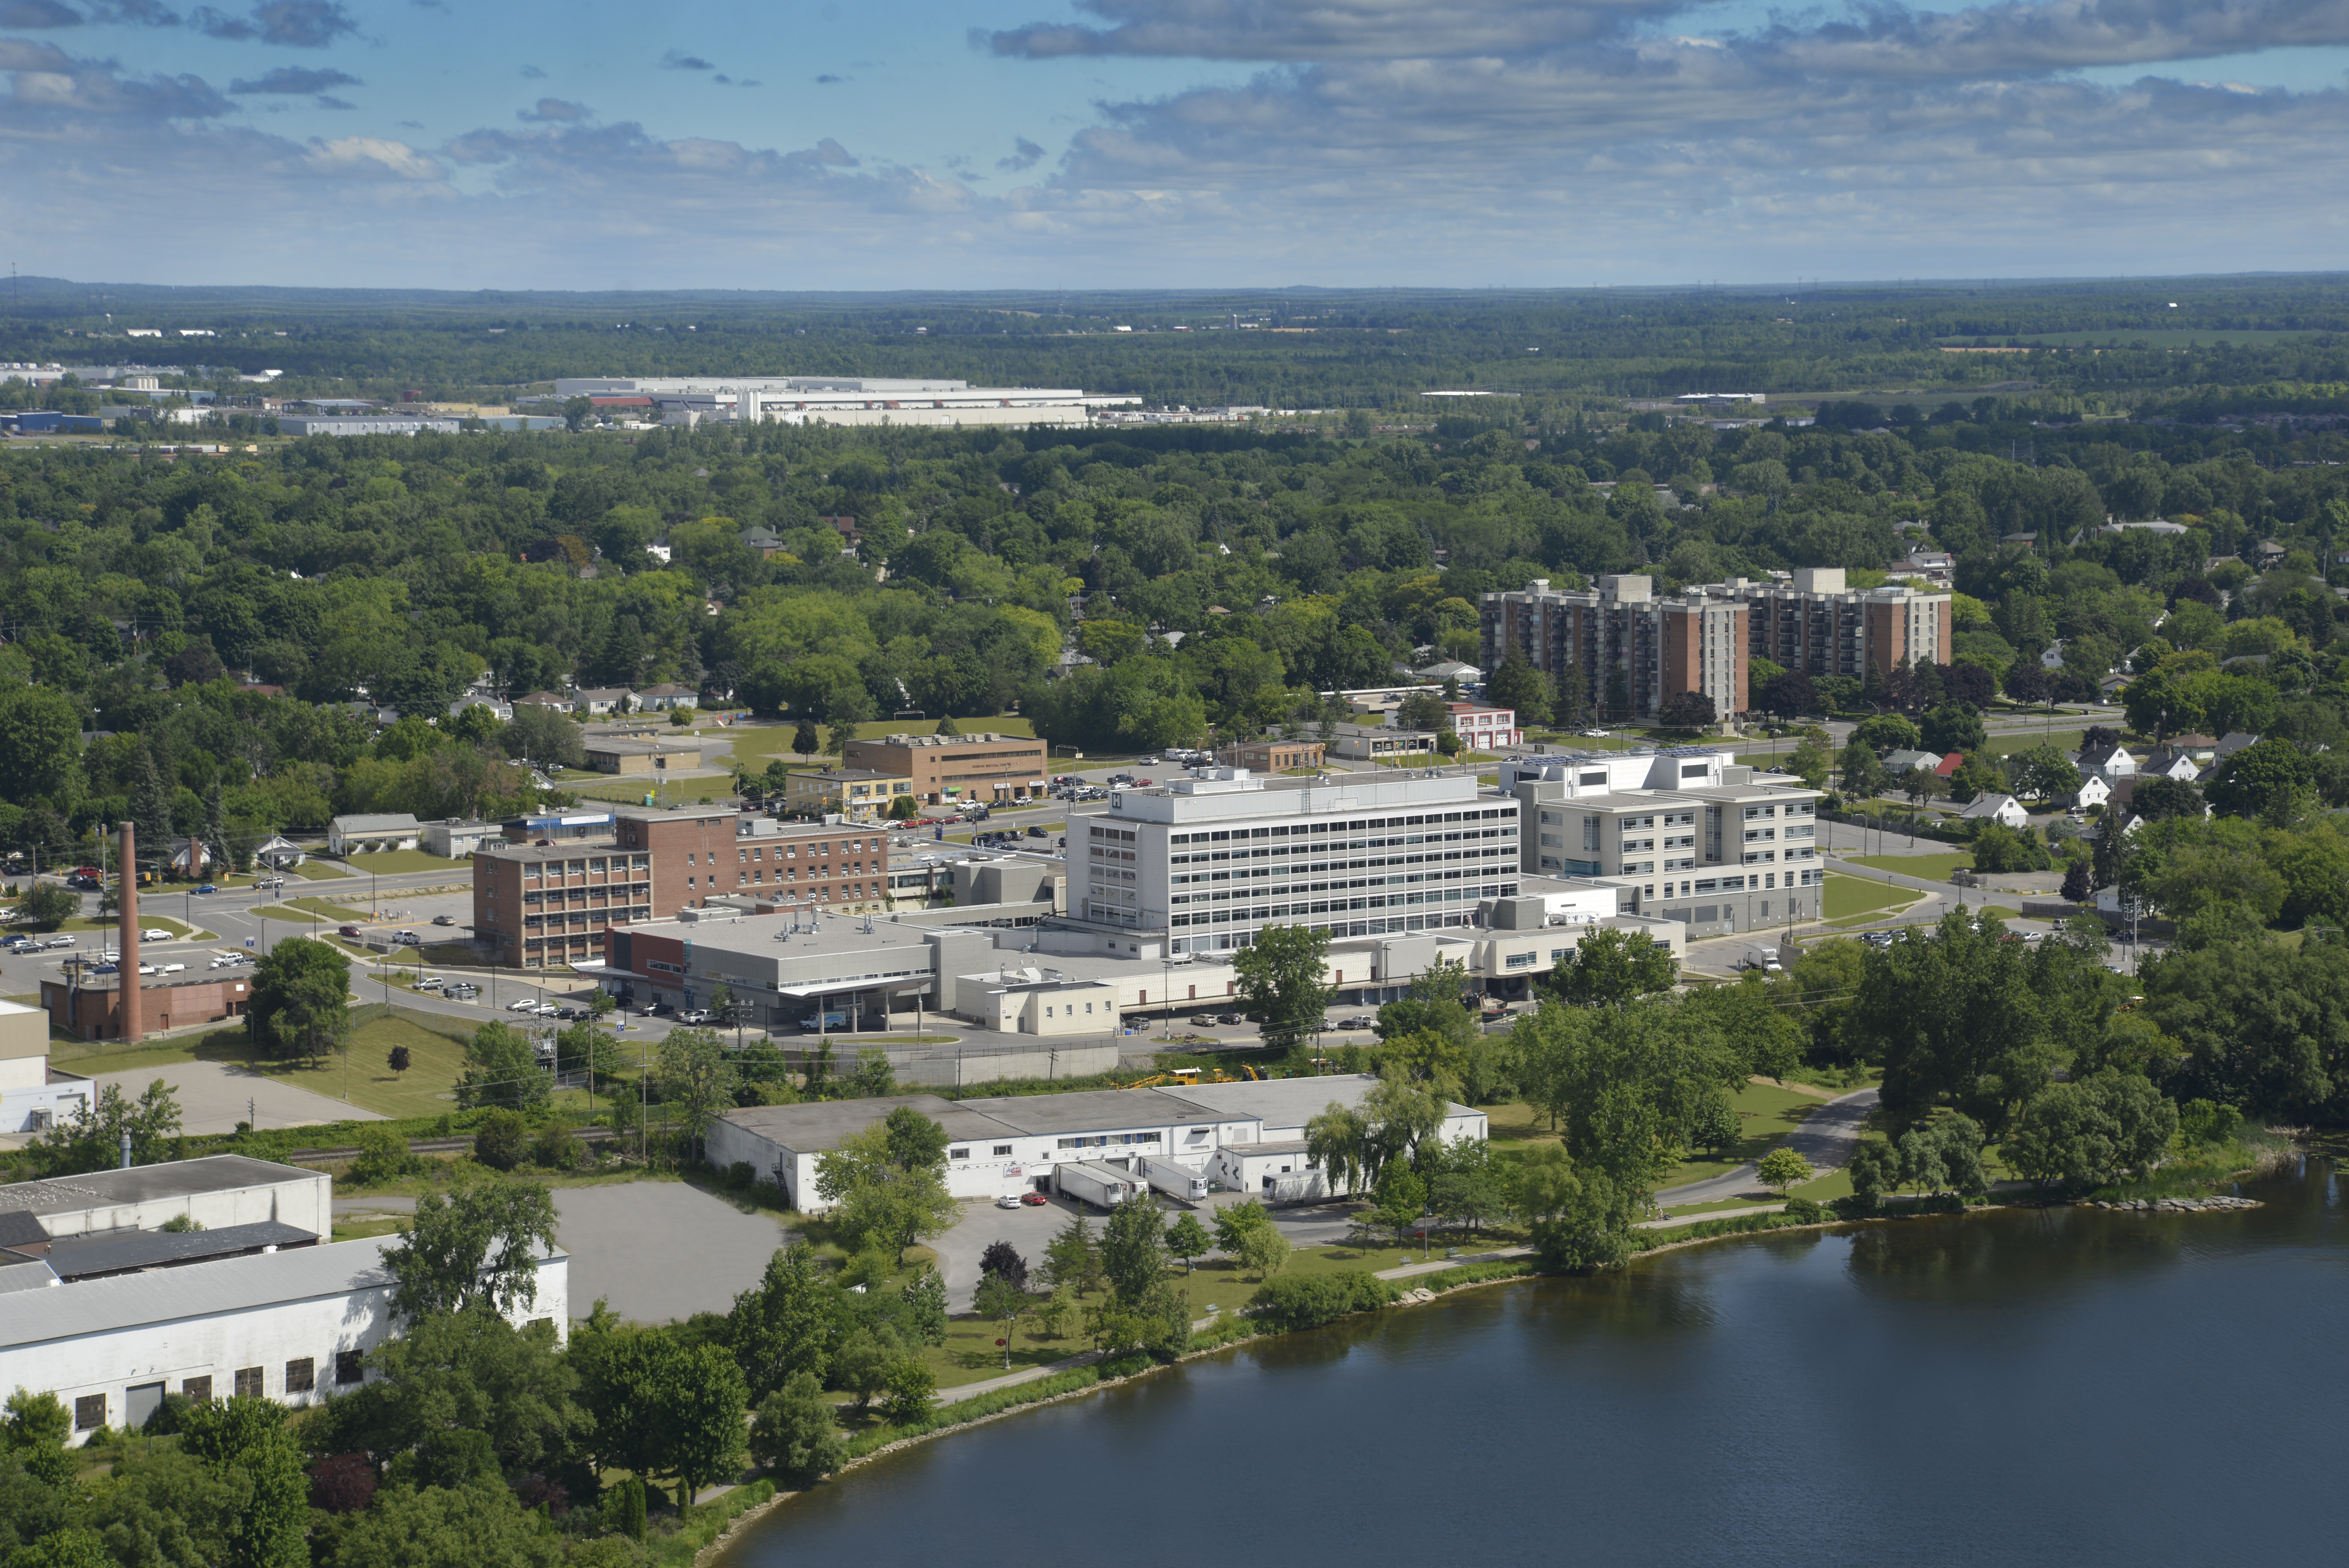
(1638, 649)
(838, 400)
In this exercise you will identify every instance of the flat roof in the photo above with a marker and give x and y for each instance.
(1287, 1146)
(25, 1274)
(563, 849)
(112, 1251)
(1088, 1109)
(822, 1125)
(143, 1183)
(642, 748)
(772, 937)
(199, 1290)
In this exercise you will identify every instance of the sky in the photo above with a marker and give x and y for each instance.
(1168, 143)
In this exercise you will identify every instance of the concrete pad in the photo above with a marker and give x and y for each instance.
(660, 1251)
(215, 1095)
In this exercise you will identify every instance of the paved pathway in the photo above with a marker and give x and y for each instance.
(1825, 1139)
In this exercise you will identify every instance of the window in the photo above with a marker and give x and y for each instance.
(89, 1412)
(301, 1376)
(350, 1367)
(199, 1390)
(248, 1382)
(958, 1153)
(1002, 1149)
(1521, 961)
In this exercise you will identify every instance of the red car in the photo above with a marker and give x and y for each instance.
(1033, 1200)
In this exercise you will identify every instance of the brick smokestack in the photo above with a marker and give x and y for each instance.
(133, 1027)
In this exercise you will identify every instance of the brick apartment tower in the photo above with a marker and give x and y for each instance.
(126, 979)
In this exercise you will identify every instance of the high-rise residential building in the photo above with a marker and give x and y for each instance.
(1638, 649)
(1212, 861)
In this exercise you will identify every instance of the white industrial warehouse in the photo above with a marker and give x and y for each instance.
(838, 400)
(1228, 1132)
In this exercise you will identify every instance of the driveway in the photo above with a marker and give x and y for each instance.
(215, 1095)
(1825, 1139)
(660, 1251)
(983, 1224)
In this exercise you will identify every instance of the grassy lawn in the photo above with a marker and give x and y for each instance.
(384, 863)
(1931, 868)
(305, 910)
(1768, 1113)
(2007, 745)
(317, 871)
(1850, 898)
(146, 923)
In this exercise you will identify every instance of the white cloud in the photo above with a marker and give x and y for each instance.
(371, 157)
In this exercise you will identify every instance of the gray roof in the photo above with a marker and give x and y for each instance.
(376, 822)
(25, 1274)
(1282, 1102)
(1287, 1146)
(337, 1269)
(1089, 1110)
(119, 1252)
(18, 1229)
(823, 1125)
(177, 1178)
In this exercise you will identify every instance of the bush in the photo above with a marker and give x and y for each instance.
(554, 1148)
(1806, 1209)
(739, 1176)
(499, 1142)
(1307, 1301)
(1859, 1206)
(384, 1156)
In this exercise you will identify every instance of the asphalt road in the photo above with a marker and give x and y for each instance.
(1825, 1139)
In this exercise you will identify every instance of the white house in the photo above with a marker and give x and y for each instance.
(497, 705)
(1998, 808)
(2110, 763)
(1898, 762)
(2051, 656)
(593, 700)
(279, 852)
(2092, 791)
(665, 696)
(368, 831)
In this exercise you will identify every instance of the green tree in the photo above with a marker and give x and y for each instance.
(40, 745)
(1338, 1143)
(1073, 1257)
(1863, 774)
(541, 737)
(1280, 982)
(1875, 1166)
(1782, 1168)
(1717, 1126)
(1953, 726)
(873, 1198)
(865, 1360)
(1400, 1199)
(1885, 733)
(384, 1157)
(474, 1525)
(2263, 781)
(661, 1405)
(2043, 773)
(796, 1431)
(805, 742)
(91, 1139)
(1517, 684)
(33, 1433)
(1263, 1249)
(1187, 1239)
(1578, 1220)
(785, 1326)
(1813, 760)
(472, 1371)
(2094, 1129)
(1001, 1301)
(1608, 968)
(501, 1069)
(245, 1441)
(696, 1074)
(1133, 1249)
(476, 1250)
(47, 906)
(301, 999)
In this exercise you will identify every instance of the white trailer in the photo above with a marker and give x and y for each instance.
(1176, 1181)
(1103, 1186)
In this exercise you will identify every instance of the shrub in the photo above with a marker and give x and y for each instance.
(1307, 1301)
(554, 1148)
(384, 1156)
(1805, 1210)
(498, 1143)
(739, 1176)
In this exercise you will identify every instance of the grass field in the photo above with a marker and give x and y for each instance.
(385, 862)
(2021, 740)
(306, 909)
(2152, 337)
(1931, 868)
(146, 923)
(317, 871)
(1768, 1113)
(1851, 898)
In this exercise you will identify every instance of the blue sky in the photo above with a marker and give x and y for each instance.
(1109, 143)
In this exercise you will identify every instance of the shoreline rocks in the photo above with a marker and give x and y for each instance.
(2170, 1205)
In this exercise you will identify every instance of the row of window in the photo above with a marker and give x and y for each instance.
(595, 865)
(1304, 830)
(1334, 846)
(1374, 862)
(250, 1383)
(1408, 879)
(1282, 912)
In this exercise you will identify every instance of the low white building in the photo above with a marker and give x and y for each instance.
(293, 1327)
(216, 1191)
(454, 840)
(1010, 1144)
(34, 1096)
(366, 831)
(1997, 807)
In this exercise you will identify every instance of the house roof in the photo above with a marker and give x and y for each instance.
(545, 699)
(1988, 805)
(1948, 765)
(1901, 761)
(667, 689)
(376, 822)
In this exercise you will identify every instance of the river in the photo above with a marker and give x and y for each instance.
(2064, 1387)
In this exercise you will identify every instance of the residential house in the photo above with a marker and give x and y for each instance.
(857, 794)
(1997, 807)
(1898, 762)
(1935, 566)
(2052, 656)
(598, 700)
(765, 540)
(191, 859)
(547, 699)
(2108, 763)
(662, 698)
(278, 853)
(371, 831)
(503, 710)
(1947, 767)
(2092, 791)
(1451, 670)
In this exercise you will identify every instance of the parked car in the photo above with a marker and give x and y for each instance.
(1228, 1019)
(166, 969)
(1009, 1200)
(60, 942)
(544, 1009)
(155, 934)
(1035, 831)
(698, 1016)
(460, 992)
(825, 1021)
(1033, 1200)
(206, 887)
(105, 968)
(20, 945)
(408, 936)
(571, 1013)
(444, 920)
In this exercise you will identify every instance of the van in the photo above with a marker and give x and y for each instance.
(825, 1021)
(167, 969)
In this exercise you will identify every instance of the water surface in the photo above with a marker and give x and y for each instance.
(2065, 1386)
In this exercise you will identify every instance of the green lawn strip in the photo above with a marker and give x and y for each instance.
(146, 923)
(1850, 897)
(1768, 1113)
(306, 909)
(317, 871)
(385, 863)
(2013, 741)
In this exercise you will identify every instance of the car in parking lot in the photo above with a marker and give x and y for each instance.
(573, 1013)
(1354, 1022)
(1228, 1019)
(460, 992)
(698, 1016)
(444, 920)
(166, 969)
(105, 968)
(1009, 1200)
(1033, 1200)
(543, 1010)
(58, 942)
(408, 936)
(20, 944)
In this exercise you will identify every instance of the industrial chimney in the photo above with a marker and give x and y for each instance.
(126, 981)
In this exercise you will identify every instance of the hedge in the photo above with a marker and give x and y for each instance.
(1307, 1301)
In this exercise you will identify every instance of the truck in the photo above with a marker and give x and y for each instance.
(815, 1021)
(1103, 1186)
(1176, 1181)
